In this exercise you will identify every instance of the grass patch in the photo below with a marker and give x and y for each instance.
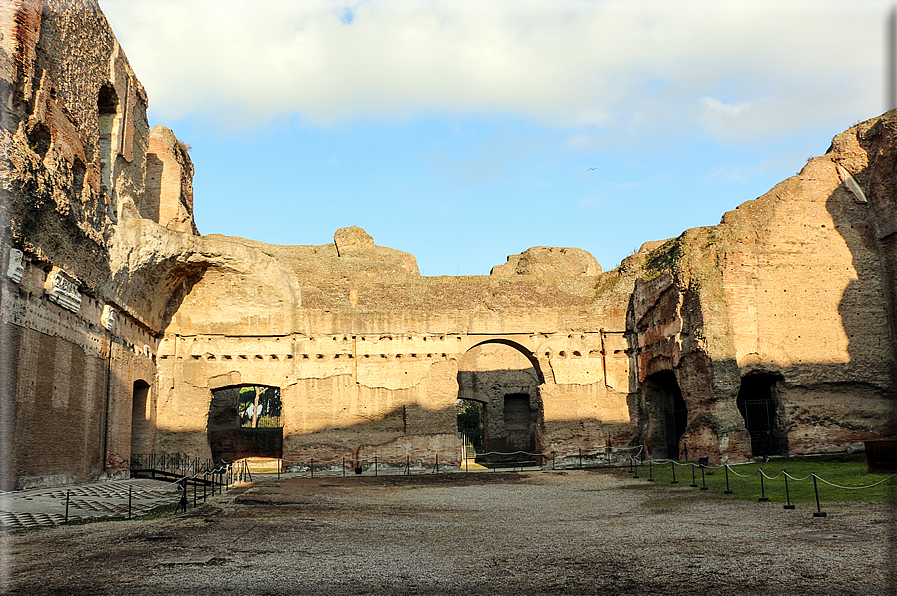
(841, 469)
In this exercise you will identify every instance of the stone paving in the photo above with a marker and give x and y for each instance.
(47, 506)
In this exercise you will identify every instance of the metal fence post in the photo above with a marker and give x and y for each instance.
(787, 494)
(819, 512)
(763, 496)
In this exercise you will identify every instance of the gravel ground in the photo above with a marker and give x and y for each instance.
(571, 532)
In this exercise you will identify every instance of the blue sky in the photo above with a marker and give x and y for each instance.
(463, 132)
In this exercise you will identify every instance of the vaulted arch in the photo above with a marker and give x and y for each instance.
(505, 378)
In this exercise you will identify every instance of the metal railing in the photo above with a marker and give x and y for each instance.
(171, 463)
(436, 463)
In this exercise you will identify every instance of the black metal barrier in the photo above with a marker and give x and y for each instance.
(703, 465)
(376, 465)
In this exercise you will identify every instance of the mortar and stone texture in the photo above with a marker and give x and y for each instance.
(773, 331)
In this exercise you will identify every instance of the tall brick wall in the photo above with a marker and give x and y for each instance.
(59, 413)
(72, 405)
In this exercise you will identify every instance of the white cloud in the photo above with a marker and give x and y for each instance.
(734, 68)
(714, 107)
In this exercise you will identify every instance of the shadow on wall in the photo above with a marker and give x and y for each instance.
(794, 405)
(385, 436)
(868, 225)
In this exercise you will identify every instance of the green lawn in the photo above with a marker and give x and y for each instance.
(841, 469)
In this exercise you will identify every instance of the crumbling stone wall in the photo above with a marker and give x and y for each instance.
(70, 380)
(367, 353)
(793, 284)
(75, 335)
(168, 199)
(117, 320)
(372, 366)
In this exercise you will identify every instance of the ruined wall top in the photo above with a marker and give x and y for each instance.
(798, 282)
(548, 261)
(75, 137)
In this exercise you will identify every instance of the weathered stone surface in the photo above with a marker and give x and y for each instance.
(795, 288)
(550, 261)
(785, 309)
(73, 134)
(168, 199)
(352, 237)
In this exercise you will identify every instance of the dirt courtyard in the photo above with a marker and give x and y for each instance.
(565, 532)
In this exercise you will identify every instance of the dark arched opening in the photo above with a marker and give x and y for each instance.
(245, 421)
(471, 416)
(667, 414)
(758, 405)
(141, 419)
(498, 382)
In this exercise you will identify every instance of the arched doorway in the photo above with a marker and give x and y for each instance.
(505, 380)
(141, 419)
(245, 421)
(667, 414)
(758, 405)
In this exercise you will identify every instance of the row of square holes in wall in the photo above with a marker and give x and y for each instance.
(423, 337)
(390, 338)
(277, 357)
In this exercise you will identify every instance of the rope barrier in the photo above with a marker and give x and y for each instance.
(754, 473)
(765, 476)
(768, 477)
(554, 457)
(852, 487)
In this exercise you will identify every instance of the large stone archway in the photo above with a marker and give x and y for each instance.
(505, 377)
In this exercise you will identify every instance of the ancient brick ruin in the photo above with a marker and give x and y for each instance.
(124, 331)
